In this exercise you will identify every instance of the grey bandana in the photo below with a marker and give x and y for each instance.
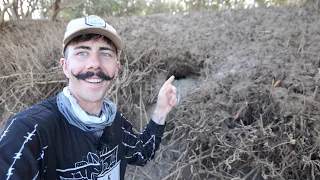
(75, 115)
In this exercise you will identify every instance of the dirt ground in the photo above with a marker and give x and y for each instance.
(249, 106)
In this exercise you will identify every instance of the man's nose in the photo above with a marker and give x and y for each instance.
(94, 61)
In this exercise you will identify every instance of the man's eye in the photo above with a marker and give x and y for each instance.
(105, 54)
(82, 53)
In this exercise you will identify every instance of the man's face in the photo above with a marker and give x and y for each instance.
(91, 67)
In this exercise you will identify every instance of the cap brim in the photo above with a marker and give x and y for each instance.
(96, 30)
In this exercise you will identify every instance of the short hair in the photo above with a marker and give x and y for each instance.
(89, 37)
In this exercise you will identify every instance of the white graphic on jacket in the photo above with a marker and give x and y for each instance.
(41, 157)
(42, 153)
(102, 165)
(7, 130)
(18, 154)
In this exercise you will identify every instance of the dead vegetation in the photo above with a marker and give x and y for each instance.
(254, 115)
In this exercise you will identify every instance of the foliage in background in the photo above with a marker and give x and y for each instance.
(68, 9)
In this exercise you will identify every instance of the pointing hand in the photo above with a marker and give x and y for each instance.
(167, 98)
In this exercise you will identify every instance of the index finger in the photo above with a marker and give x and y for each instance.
(169, 81)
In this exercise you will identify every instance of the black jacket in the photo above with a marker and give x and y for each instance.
(39, 143)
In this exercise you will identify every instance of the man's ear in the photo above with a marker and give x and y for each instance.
(64, 65)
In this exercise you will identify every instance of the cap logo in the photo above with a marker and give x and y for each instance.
(95, 21)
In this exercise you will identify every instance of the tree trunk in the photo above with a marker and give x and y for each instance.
(55, 10)
(14, 10)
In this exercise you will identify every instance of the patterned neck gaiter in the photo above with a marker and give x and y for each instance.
(76, 116)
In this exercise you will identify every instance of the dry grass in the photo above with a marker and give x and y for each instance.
(29, 65)
(239, 123)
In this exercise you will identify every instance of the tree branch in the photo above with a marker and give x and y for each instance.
(32, 5)
(5, 8)
(56, 8)
(14, 11)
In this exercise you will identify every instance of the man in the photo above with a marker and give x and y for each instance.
(80, 134)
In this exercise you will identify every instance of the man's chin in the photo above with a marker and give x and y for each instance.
(93, 99)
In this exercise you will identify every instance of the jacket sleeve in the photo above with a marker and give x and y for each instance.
(141, 148)
(19, 150)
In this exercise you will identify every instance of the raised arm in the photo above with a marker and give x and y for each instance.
(142, 147)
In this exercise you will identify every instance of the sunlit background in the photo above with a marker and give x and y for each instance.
(67, 9)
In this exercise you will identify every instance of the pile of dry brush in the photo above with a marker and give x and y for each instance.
(255, 111)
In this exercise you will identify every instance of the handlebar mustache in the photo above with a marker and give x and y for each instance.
(88, 74)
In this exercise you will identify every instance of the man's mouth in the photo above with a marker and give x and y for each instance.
(93, 80)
